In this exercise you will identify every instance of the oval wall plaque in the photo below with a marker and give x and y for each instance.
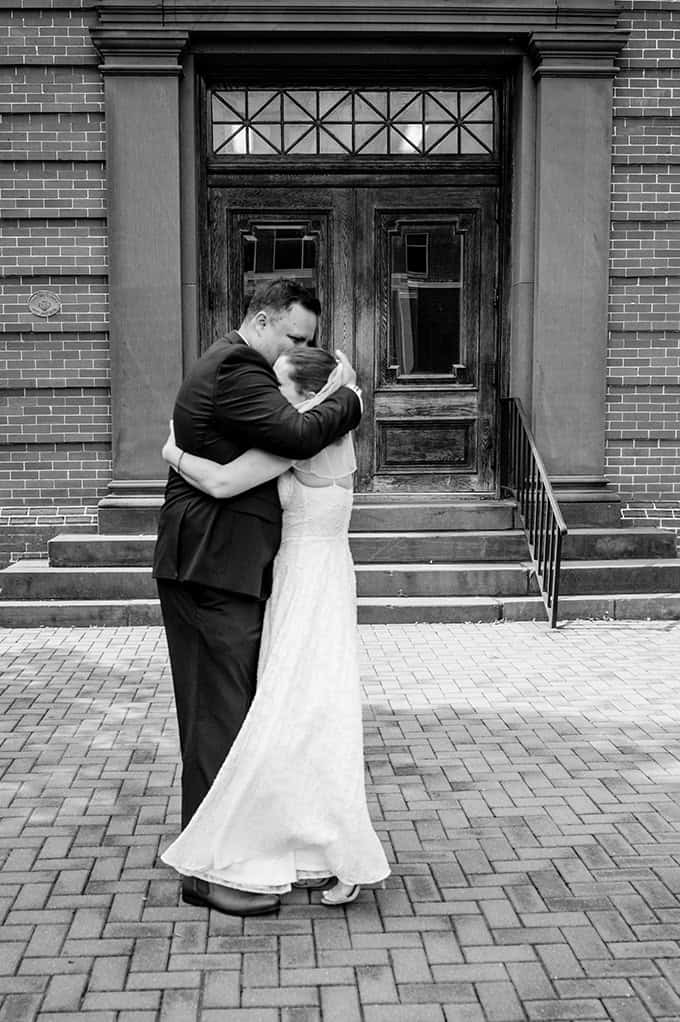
(44, 303)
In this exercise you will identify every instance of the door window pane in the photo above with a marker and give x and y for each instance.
(265, 139)
(426, 263)
(336, 138)
(406, 138)
(371, 106)
(295, 136)
(278, 250)
(417, 248)
(476, 138)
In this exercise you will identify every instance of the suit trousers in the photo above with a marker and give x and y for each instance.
(214, 642)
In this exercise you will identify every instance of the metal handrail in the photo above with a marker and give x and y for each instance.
(525, 476)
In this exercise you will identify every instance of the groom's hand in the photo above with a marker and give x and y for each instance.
(349, 376)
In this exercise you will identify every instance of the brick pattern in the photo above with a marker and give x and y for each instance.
(61, 416)
(26, 528)
(55, 422)
(58, 360)
(53, 135)
(36, 246)
(643, 439)
(665, 513)
(53, 471)
(49, 37)
(643, 436)
(50, 89)
(66, 188)
(84, 303)
(635, 247)
(521, 781)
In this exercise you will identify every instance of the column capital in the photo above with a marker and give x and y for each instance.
(140, 51)
(567, 54)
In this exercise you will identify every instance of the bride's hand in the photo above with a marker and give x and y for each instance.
(170, 451)
(349, 376)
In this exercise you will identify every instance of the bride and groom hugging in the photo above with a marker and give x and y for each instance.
(259, 609)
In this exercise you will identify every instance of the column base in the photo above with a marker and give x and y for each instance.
(587, 501)
(131, 507)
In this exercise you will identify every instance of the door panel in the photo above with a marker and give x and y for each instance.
(303, 233)
(406, 278)
(426, 281)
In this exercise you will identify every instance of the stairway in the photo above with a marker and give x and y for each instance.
(418, 558)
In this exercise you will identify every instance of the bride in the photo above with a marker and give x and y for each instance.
(289, 802)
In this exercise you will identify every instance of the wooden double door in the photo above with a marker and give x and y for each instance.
(407, 279)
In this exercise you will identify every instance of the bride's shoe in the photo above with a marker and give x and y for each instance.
(341, 894)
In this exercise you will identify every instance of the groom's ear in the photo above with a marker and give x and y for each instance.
(309, 393)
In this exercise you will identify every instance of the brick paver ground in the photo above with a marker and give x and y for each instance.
(526, 785)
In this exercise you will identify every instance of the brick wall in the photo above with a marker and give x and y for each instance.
(55, 443)
(643, 436)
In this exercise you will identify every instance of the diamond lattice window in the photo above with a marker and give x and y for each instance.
(354, 122)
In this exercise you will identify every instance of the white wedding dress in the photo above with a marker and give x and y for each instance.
(289, 802)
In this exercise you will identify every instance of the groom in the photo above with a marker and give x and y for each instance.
(213, 558)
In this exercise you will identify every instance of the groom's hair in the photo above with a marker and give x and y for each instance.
(278, 295)
(309, 368)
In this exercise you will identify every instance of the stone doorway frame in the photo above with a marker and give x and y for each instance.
(564, 54)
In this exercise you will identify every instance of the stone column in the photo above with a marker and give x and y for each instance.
(141, 73)
(522, 260)
(574, 74)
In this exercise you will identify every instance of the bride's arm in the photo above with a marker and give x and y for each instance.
(223, 481)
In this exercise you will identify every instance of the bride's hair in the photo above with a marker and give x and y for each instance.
(309, 367)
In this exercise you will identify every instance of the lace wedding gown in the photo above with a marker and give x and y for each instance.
(289, 802)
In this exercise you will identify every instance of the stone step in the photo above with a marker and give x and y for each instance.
(404, 610)
(69, 550)
(448, 609)
(578, 578)
(625, 542)
(36, 580)
(79, 613)
(621, 607)
(120, 613)
(433, 516)
(444, 580)
(90, 549)
(635, 575)
(73, 550)
(600, 512)
(419, 513)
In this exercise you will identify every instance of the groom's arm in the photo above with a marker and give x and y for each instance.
(251, 409)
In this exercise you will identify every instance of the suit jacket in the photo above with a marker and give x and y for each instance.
(228, 403)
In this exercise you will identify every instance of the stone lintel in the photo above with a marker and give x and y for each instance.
(468, 17)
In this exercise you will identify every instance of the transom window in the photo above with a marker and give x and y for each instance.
(355, 122)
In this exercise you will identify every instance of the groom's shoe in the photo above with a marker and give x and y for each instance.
(227, 899)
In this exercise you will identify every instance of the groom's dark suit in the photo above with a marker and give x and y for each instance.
(213, 559)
